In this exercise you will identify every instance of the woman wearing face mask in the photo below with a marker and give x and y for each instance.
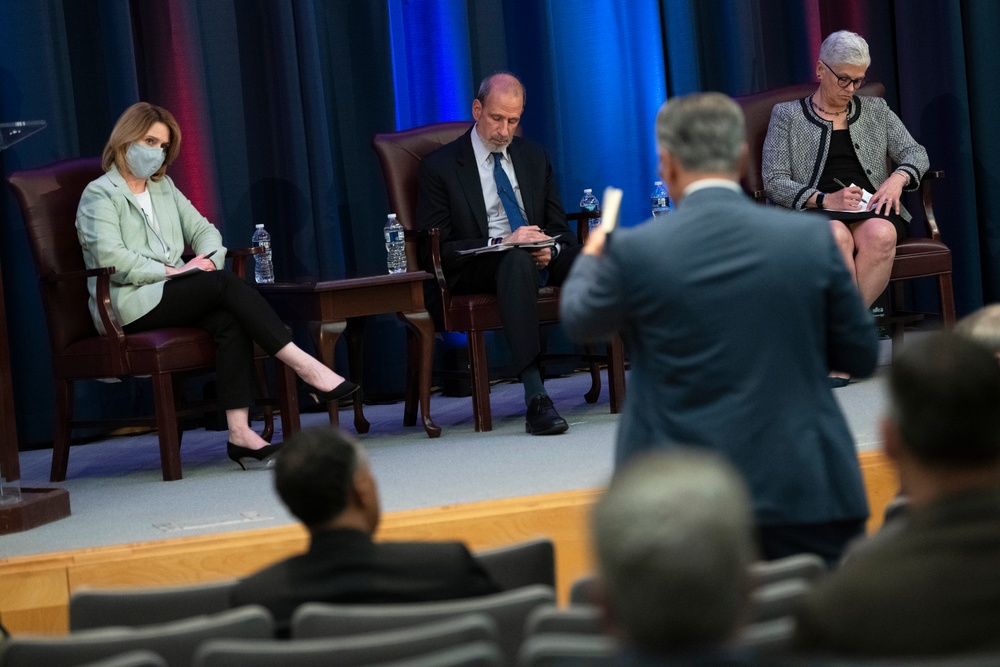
(135, 219)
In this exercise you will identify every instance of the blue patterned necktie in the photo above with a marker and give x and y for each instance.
(506, 192)
(510, 207)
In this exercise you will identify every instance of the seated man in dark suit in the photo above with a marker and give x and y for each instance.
(324, 479)
(488, 187)
(930, 586)
(674, 537)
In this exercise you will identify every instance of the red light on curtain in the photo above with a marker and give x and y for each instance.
(172, 77)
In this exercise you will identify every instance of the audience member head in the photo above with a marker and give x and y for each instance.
(699, 135)
(845, 48)
(497, 109)
(673, 535)
(943, 424)
(983, 326)
(132, 126)
(323, 477)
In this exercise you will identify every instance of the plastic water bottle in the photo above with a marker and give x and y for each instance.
(659, 200)
(590, 203)
(263, 266)
(395, 245)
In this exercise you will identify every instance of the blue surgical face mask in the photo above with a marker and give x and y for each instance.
(143, 161)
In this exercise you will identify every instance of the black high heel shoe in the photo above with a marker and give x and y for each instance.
(342, 390)
(253, 459)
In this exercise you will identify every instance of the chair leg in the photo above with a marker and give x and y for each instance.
(897, 325)
(61, 433)
(288, 399)
(480, 370)
(412, 379)
(260, 375)
(947, 299)
(616, 373)
(595, 375)
(167, 426)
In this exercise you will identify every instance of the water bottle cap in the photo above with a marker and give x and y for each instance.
(587, 191)
(392, 216)
(657, 182)
(260, 226)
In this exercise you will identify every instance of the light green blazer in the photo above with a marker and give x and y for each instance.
(114, 232)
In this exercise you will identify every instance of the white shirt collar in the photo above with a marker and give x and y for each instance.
(712, 183)
(480, 149)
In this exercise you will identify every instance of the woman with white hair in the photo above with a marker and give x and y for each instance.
(823, 151)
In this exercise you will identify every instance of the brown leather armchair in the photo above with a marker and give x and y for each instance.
(48, 197)
(399, 155)
(916, 257)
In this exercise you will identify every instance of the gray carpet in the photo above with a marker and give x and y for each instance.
(118, 497)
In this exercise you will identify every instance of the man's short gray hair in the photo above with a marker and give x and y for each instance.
(845, 48)
(673, 536)
(705, 132)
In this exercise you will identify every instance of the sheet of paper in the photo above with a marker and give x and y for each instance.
(610, 205)
(865, 198)
(544, 243)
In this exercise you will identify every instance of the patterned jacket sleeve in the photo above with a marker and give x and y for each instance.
(905, 152)
(776, 161)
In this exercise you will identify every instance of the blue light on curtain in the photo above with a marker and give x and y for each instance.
(606, 76)
(431, 61)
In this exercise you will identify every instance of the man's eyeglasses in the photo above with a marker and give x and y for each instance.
(845, 81)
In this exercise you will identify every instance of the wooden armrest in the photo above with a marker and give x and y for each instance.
(239, 257)
(421, 236)
(927, 201)
(112, 327)
(76, 275)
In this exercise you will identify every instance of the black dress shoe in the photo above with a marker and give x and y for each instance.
(542, 418)
(253, 459)
(342, 390)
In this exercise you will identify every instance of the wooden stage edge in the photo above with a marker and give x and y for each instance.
(35, 590)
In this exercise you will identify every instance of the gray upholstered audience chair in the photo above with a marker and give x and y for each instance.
(782, 598)
(476, 654)
(175, 642)
(509, 609)
(522, 564)
(130, 659)
(809, 567)
(555, 650)
(351, 650)
(133, 607)
(576, 619)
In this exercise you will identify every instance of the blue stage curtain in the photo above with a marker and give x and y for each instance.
(278, 101)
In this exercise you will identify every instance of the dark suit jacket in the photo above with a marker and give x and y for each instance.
(346, 566)
(450, 197)
(733, 314)
(931, 587)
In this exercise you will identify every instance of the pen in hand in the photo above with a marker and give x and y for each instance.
(839, 182)
(210, 254)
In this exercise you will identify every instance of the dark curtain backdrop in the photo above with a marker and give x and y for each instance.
(278, 101)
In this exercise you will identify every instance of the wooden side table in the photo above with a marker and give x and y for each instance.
(334, 306)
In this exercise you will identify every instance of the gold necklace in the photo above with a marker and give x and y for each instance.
(819, 108)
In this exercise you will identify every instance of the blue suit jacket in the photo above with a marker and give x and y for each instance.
(733, 315)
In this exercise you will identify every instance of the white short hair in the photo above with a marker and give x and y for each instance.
(845, 48)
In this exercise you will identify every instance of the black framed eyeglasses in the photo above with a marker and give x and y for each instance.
(845, 81)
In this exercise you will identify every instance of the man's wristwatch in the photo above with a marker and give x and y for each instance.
(820, 196)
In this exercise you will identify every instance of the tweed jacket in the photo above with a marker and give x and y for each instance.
(114, 231)
(798, 142)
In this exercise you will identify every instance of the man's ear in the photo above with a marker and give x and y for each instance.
(477, 109)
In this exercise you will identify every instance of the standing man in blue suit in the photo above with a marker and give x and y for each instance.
(733, 315)
(488, 187)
